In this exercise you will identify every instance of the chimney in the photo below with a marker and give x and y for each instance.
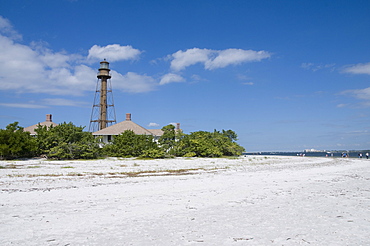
(128, 117)
(177, 126)
(48, 118)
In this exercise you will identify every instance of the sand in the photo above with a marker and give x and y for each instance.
(252, 200)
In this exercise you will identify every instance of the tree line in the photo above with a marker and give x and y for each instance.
(67, 141)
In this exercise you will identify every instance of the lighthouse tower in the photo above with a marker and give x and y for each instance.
(103, 114)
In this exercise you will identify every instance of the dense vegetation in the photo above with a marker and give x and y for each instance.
(67, 141)
(15, 143)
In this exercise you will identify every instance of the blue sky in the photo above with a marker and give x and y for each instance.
(284, 75)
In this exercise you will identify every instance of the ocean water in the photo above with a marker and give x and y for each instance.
(351, 154)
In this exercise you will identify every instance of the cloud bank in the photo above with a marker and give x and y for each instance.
(34, 68)
(25, 69)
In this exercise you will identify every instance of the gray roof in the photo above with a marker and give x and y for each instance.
(31, 129)
(156, 132)
(127, 125)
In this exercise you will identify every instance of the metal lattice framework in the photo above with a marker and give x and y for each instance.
(103, 113)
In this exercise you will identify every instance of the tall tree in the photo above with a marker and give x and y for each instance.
(129, 144)
(16, 143)
(67, 141)
(207, 144)
(168, 138)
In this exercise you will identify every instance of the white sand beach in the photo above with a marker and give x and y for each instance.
(252, 200)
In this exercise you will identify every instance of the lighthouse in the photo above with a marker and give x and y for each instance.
(103, 113)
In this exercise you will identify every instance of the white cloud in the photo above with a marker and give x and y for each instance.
(40, 70)
(153, 125)
(315, 67)
(54, 60)
(133, 82)
(234, 57)
(113, 52)
(196, 77)
(63, 102)
(22, 105)
(362, 94)
(36, 69)
(72, 81)
(358, 69)
(46, 102)
(182, 59)
(307, 65)
(7, 29)
(171, 77)
(213, 59)
(244, 78)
